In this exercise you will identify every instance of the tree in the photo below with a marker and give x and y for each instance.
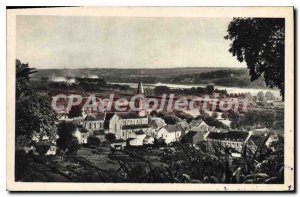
(33, 112)
(67, 141)
(214, 114)
(75, 111)
(270, 96)
(160, 90)
(93, 141)
(110, 137)
(225, 115)
(23, 72)
(260, 43)
(261, 97)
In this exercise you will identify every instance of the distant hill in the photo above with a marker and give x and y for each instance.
(236, 77)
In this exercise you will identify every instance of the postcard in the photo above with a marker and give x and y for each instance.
(150, 99)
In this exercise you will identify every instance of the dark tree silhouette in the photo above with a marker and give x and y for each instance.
(75, 111)
(110, 137)
(66, 141)
(33, 112)
(260, 43)
(93, 141)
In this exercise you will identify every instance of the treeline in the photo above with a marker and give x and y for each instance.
(270, 119)
(209, 90)
(80, 84)
(218, 76)
(235, 78)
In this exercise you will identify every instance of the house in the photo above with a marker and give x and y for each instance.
(157, 123)
(184, 126)
(194, 137)
(231, 139)
(198, 125)
(128, 131)
(118, 144)
(263, 131)
(136, 138)
(169, 133)
(94, 122)
(46, 148)
(82, 135)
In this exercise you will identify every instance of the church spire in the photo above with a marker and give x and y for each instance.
(140, 89)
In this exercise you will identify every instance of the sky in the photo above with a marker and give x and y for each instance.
(123, 42)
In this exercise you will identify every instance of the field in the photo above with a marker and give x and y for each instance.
(89, 165)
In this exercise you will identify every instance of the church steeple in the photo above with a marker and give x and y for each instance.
(140, 89)
(141, 103)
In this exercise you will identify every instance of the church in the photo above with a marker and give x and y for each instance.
(125, 124)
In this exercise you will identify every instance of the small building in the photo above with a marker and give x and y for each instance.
(118, 144)
(157, 123)
(45, 148)
(194, 137)
(82, 135)
(136, 138)
(169, 133)
(231, 139)
(184, 126)
(96, 122)
(198, 125)
(261, 131)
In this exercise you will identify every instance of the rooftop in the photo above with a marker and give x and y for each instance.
(138, 126)
(230, 136)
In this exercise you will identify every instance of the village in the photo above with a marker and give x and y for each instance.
(119, 130)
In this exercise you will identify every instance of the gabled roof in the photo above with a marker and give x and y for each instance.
(258, 140)
(230, 136)
(183, 124)
(129, 115)
(99, 116)
(157, 122)
(109, 116)
(89, 118)
(196, 123)
(172, 128)
(138, 126)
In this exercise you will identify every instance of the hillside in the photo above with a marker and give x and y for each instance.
(235, 77)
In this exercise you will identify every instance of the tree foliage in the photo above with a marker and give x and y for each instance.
(75, 111)
(33, 112)
(67, 141)
(110, 137)
(260, 43)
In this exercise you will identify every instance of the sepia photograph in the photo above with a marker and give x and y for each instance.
(150, 99)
